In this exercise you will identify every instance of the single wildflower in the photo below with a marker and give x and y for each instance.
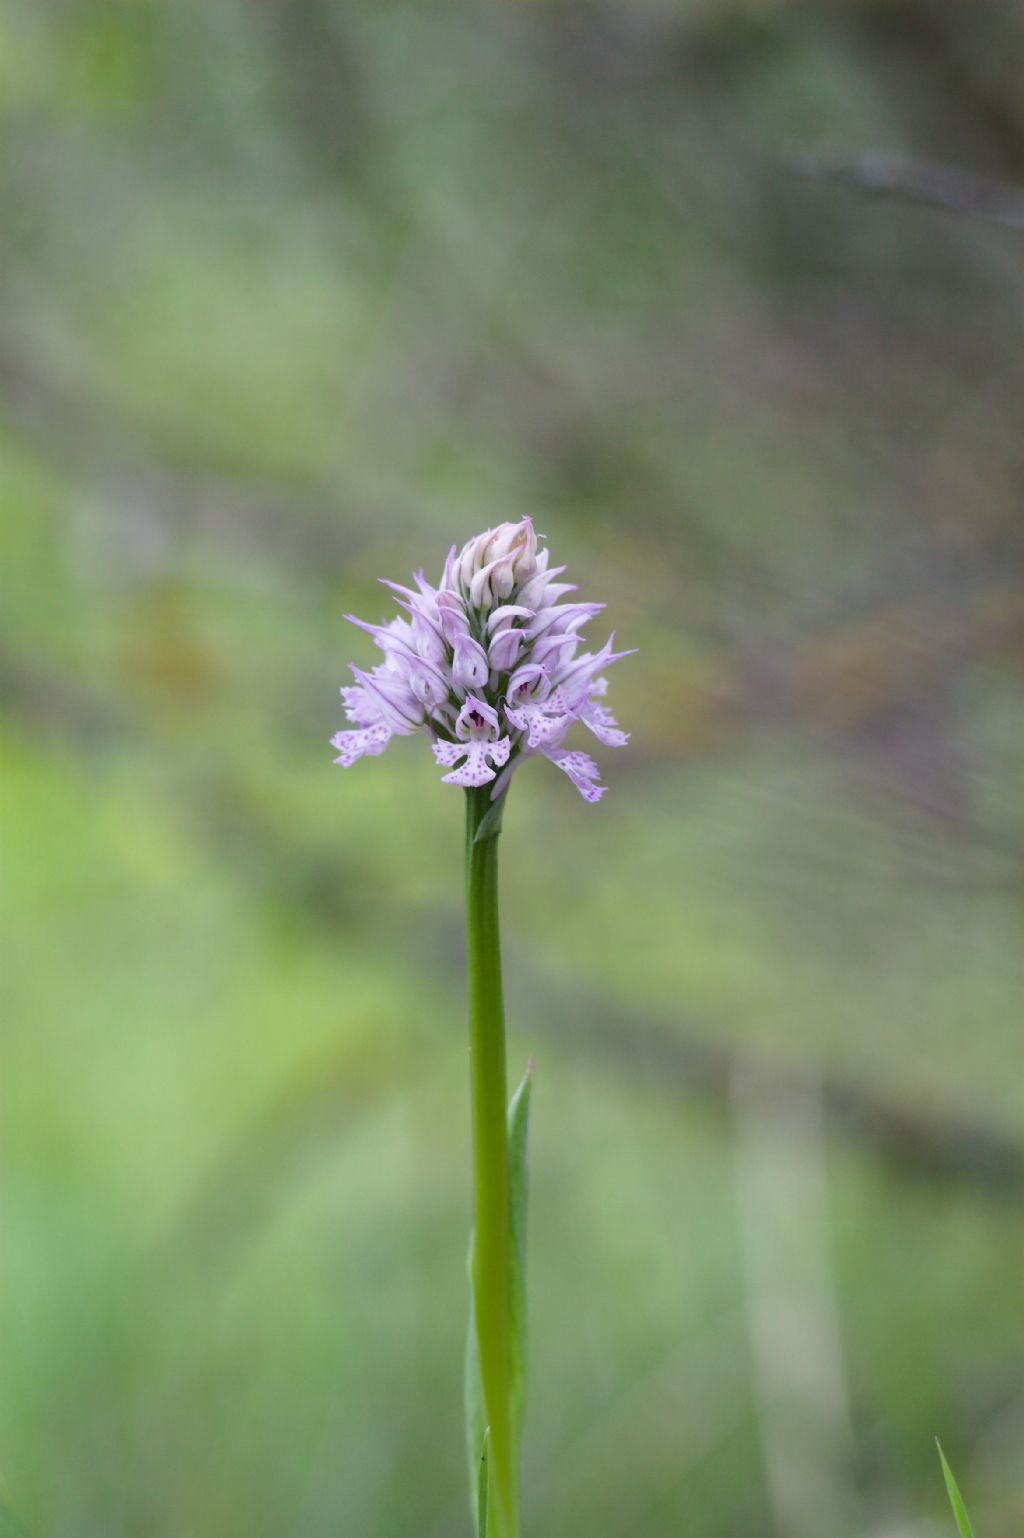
(488, 663)
(491, 664)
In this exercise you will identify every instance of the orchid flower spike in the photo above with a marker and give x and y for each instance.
(489, 664)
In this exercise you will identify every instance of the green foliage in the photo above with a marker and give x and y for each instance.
(518, 1151)
(963, 1521)
(489, 825)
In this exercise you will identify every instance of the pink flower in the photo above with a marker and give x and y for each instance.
(479, 746)
(488, 663)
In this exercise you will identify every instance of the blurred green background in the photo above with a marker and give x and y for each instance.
(295, 294)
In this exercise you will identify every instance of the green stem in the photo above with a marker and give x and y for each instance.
(489, 1094)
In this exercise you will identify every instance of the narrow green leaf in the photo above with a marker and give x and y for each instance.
(518, 1140)
(956, 1500)
(483, 1495)
(489, 825)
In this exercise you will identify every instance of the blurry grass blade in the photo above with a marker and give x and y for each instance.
(956, 1500)
(518, 1139)
(483, 1493)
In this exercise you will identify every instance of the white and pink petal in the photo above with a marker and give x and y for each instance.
(603, 724)
(477, 757)
(582, 771)
(544, 724)
(363, 742)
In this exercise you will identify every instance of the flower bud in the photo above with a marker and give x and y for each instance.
(506, 642)
(428, 639)
(470, 669)
(495, 563)
(505, 649)
(425, 681)
(451, 612)
(480, 594)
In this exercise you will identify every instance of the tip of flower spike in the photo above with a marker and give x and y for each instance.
(436, 653)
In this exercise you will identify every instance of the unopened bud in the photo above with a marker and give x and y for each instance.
(470, 668)
(492, 566)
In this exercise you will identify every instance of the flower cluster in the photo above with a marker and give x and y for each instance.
(488, 663)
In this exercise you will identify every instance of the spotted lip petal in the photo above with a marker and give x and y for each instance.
(477, 755)
(489, 664)
(582, 771)
(365, 742)
(603, 724)
(544, 726)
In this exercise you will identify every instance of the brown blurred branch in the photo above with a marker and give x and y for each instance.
(881, 174)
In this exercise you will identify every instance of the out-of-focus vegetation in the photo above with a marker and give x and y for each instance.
(294, 295)
(956, 1500)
